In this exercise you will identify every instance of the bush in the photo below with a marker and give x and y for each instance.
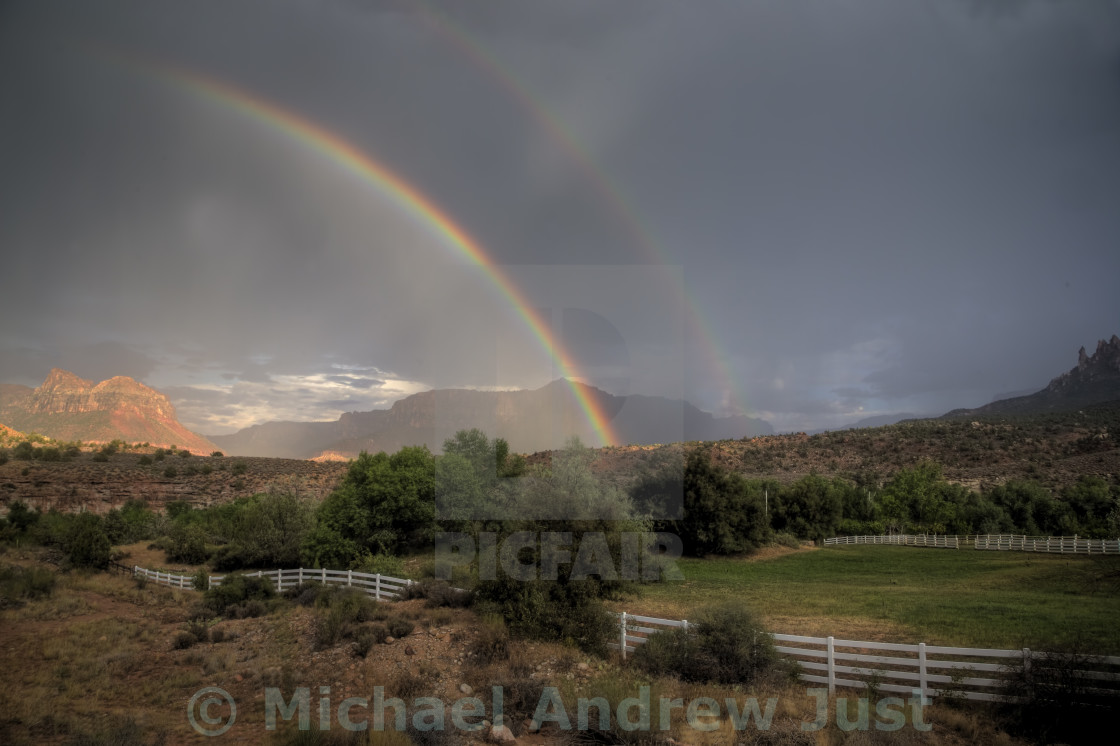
(23, 451)
(24, 584)
(438, 593)
(235, 590)
(727, 645)
(20, 517)
(184, 454)
(86, 543)
(1054, 700)
(399, 627)
(187, 544)
(216, 454)
(572, 613)
(306, 593)
(170, 472)
(50, 454)
(3, 456)
(492, 643)
(100, 457)
(145, 460)
(183, 640)
(159, 455)
(239, 468)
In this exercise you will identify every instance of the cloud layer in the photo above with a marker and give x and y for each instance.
(809, 212)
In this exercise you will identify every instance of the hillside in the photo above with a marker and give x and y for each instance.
(529, 420)
(66, 407)
(82, 484)
(1054, 449)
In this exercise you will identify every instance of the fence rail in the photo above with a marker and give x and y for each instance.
(967, 673)
(377, 585)
(910, 540)
(1051, 544)
(1004, 542)
(164, 578)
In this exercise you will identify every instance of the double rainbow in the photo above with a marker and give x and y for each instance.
(361, 165)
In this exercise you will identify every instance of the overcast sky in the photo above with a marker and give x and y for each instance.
(810, 211)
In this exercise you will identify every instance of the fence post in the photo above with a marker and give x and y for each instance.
(350, 577)
(1026, 663)
(622, 634)
(209, 582)
(922, 680)
(324, 576)
(831, 667)
(377, 586)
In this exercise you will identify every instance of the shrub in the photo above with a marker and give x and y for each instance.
(438, 593)
(184, 454)
(23, 451)
(20, 517)
(1054, 700)
(3, 456)
(86, 543)
(239, 468)
(50, 454)
(201, 580)
(305, 594)
(235, 590)
(170, 472)
(145, 460)
(399, 627)
(159, 455)
(727, 645)
(492, 643)
(183, 640)
(100, 457)
(187, 544)
(216, 454)
(25, 583)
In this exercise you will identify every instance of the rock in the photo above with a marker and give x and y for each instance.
(409, 650)
(466, 689)
(500, 734)
(583, 666)
(390, 639)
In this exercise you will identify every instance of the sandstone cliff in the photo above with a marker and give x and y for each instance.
(67, 407)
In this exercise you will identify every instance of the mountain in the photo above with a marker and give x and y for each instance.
(876, 421)
(535, 420)
(1094, 380)
(67, 407)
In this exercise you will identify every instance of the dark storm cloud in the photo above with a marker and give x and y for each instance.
(874, 207)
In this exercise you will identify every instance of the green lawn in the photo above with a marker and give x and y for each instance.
(907, 594)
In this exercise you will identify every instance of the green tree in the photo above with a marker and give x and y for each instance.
(86, 542)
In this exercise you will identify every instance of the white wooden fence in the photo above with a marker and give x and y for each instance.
(164, 578)
(1053, 544)
(1005, 542)
(967, 673)
(909, 540)
(377, 585)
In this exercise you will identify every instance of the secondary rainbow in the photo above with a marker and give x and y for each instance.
(612, 197)
(362, 165)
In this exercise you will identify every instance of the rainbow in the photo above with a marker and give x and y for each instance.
(612, 197)
(361, 165)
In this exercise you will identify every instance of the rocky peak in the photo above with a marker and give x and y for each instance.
(64, 381)
(1103, 365)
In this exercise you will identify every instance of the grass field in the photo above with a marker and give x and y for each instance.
(908, 594)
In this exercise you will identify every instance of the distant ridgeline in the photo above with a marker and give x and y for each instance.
(535, 420)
